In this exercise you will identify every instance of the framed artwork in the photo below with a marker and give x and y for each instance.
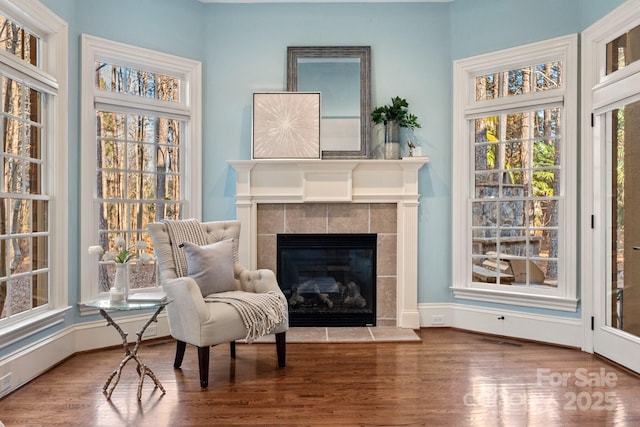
(342, 75)
(286, 125)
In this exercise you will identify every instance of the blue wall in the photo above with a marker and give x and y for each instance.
(243, 49)
(592, 10)
(410, 58)
(480, 26)
(246, 52)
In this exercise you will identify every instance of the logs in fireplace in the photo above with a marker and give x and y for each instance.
(328, 279)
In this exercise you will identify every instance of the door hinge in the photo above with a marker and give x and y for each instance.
(593, 321)
(592, 119)
(593, 221)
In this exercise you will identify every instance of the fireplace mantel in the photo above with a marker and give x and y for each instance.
(338, 181)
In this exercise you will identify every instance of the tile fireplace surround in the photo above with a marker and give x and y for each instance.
(337, 196)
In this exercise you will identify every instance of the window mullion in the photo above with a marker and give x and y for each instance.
(547, 99)
(35, 77)
(125, 103)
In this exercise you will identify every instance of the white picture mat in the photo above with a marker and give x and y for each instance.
(286, 125)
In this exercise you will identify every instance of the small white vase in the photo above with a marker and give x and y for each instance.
(121, 281)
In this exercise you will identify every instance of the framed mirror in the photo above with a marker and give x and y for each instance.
(342, 75)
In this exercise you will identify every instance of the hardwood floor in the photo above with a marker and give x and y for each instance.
(451, 378)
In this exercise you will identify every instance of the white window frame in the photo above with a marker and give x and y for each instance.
(465, 109)
(188, 108)
(52, 78)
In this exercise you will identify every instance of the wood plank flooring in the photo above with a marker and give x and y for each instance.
(450, 378)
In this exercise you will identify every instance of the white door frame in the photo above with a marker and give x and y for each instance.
(599, 93)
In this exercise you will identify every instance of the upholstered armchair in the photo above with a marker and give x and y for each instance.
(195, 314)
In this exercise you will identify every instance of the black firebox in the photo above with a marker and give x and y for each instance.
(328, 279)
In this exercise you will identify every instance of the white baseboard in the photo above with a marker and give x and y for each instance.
(35, 359)
(551, 329)
(410, 319)
(92, 335)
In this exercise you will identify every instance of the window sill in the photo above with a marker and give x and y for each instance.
(516, 298)
(30, 326)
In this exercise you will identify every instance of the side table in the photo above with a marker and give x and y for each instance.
(105, 305)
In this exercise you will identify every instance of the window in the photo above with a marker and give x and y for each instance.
(140, 151)
(623, 50)
(515, 136)
(33, 230)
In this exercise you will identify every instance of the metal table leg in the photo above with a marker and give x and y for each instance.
(131, 353)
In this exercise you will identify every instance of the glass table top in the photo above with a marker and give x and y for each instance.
(107, 304)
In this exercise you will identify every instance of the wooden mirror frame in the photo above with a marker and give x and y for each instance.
(364, 54)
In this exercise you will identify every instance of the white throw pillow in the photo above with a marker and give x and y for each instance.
(211, 266)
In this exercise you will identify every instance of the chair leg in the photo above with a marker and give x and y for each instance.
(232, 345)
(180, 348)
(281, 348)
(203, 362)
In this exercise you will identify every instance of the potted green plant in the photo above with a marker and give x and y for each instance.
(397, 111)
(394, 116)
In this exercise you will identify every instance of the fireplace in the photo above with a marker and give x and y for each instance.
(328, 279)
(290, 187)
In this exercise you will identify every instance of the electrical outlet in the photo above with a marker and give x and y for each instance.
(5, 383)
(437, 319)
(151, 331)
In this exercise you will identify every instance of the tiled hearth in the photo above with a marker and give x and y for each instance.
(337, 196)
(345, 335)
(379, 218)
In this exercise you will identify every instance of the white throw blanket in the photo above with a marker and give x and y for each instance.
(261, 313)
(184, 230)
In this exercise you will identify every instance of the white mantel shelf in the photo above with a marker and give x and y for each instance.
(338, 181)
(291, 181)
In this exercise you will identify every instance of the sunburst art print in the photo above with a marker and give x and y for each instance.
(286, 125)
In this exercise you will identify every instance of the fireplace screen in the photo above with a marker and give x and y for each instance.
(328, 279)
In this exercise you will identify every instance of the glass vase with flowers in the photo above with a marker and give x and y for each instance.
(122, 257)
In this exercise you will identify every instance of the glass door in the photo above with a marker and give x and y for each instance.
(616, 172)
(618, 294)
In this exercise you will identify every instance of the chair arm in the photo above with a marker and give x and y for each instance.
(187, 300)
(257, 281)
